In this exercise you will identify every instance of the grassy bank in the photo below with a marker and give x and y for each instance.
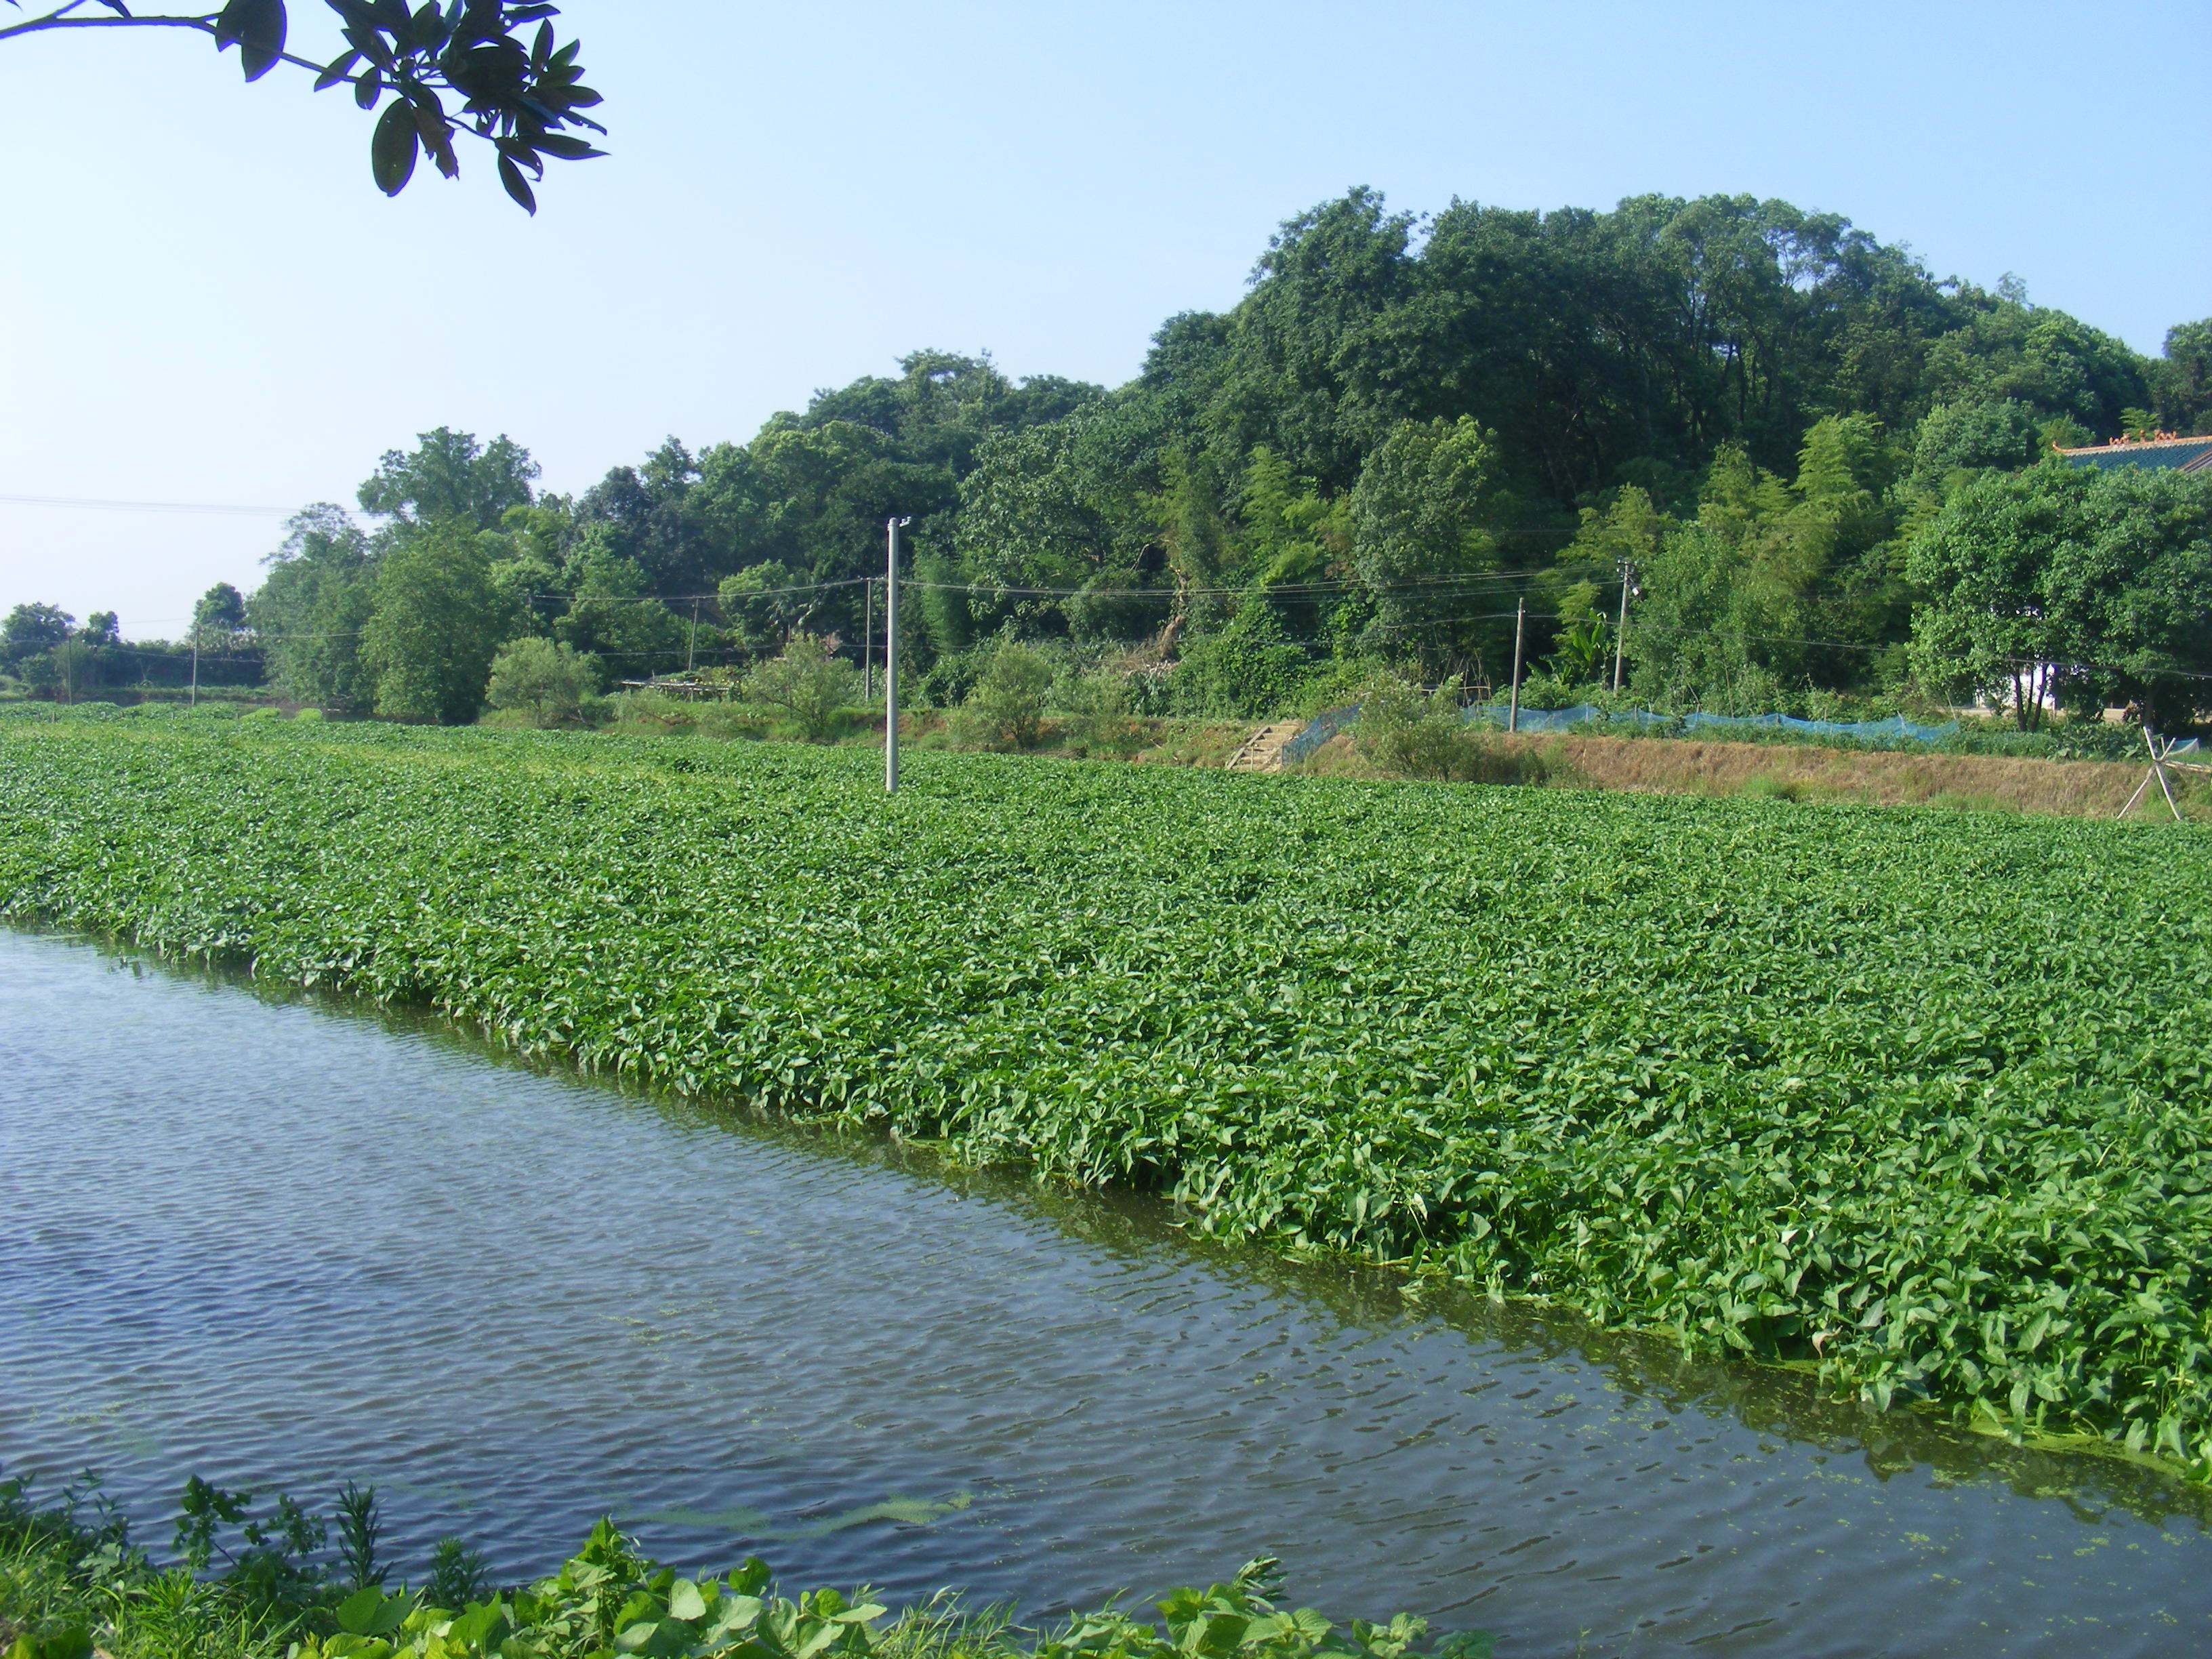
(1984, 769)
(1915, 1100)
(1160, 741)
(1801, 771)
(250, 1585)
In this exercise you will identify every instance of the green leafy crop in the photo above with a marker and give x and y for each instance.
(1917, 1100)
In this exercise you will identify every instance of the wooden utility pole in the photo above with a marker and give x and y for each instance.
(1513, 703)
(195, 663)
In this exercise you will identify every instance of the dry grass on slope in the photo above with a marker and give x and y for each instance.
(1686, 766)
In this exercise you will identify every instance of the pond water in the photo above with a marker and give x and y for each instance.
(285, 1244)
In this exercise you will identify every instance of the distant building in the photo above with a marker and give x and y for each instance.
(2165, 450)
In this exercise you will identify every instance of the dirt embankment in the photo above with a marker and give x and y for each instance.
(1694, 766)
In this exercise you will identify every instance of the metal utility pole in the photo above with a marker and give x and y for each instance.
(691, 651)
(868, 645)
(1620, 634)
(195, 663)
(1513, 703)
(891, 527)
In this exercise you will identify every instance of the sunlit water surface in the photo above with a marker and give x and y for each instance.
(278, 1243)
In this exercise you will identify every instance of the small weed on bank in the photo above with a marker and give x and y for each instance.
(1768, 786)
(258, 1587)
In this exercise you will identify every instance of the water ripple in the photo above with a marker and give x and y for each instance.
(269, 1242)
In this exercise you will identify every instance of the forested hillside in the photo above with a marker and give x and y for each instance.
(1816, 462)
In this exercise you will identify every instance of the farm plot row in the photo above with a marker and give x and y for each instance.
(1919, 1100)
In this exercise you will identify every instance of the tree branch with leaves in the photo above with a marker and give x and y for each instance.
(461, 69)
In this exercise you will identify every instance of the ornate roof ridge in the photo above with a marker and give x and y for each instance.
(2164, 440)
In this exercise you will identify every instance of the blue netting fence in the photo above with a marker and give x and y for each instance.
(1319, 730)
(1894, 729)
(1326, 724)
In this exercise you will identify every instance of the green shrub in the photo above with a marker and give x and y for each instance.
(1336, 683)
(547, 686)
(1097, 703)
(1247, 669)
(808, 684)
(652, 713)
(1006, 709)
(945, 683)
(729, 721)
(1404, 733)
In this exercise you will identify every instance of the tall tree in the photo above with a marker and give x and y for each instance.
(1776, 585)
(1967, 438)
(2132, 583)
(2083, 585)
(435, 622)
(2182, 379)
(448, 475)
(312, 608)
(1423, 518)
(220, 612)
(1320, 364)
(32, 630)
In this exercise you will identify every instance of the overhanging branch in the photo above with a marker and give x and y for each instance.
(61, 20)
(525, 100)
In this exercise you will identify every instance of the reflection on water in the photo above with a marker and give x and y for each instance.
(276, 1243)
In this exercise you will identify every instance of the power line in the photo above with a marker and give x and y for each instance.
(1470, 581)
(686, 599)
(104, 505)
(1259, 590)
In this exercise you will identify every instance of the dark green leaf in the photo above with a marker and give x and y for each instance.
(517, 186)
(436, 132)
(339, 69)
(391, 149)
(257, 28)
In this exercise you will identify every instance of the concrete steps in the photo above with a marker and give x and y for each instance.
(1263, 750)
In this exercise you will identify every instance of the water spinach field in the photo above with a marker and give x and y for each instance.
(1915, 1100)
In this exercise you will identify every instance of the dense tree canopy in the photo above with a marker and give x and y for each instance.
(2067, 585)
(1818, 468)
(435, 622)
(31, 629)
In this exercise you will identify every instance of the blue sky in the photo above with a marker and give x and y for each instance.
(205, 300)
